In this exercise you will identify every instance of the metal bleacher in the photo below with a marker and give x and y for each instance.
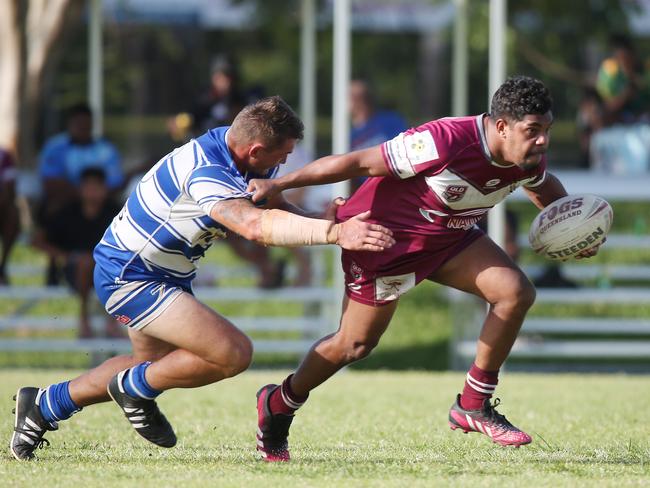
(600, 336)
(289, 333)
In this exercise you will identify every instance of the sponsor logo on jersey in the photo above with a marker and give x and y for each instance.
(427, 214)
(391, 287)
(464, 223)
(491, 183)
(158, 289)
(430, 215)
(122, 319)
(209, 235)
(454, 193)
(420, 147)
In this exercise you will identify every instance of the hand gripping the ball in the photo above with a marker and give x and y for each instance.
(574, 226)
(591, 252)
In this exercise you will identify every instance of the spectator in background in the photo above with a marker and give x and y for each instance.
(215, 108)
(590, 119)
(622, 83)
(64, 158)
(9, 221)
(71, 234)
(370, 125)
(622, 146)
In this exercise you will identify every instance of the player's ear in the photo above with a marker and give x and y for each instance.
(255, 150)
(501, 125)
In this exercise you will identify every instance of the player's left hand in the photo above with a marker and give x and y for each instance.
(591, 252)
(263, 189)
(356, 234)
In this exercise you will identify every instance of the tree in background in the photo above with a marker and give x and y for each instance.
(30, 31)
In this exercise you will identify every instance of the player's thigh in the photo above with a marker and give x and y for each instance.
(188, 324)
(148, 348)
(361, 323)
(485, 270)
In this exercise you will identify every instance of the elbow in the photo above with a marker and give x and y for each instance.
(252, 231)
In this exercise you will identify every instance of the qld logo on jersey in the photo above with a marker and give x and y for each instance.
(454, 193)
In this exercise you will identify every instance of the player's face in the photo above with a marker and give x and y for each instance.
(263, 159)
(526, 141)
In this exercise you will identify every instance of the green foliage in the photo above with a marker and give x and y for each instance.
(157, 70)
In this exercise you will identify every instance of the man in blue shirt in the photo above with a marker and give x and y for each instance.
(370, 126)
(146, 261)
(65, 157)
(63, 160)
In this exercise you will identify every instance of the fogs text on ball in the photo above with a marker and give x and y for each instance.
(570, 225)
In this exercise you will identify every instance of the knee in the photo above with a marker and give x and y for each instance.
(239, 357)
(519, 294)
(351, 351)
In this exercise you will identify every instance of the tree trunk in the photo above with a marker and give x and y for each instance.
(11, 72)
(29, 32)
(45, 25)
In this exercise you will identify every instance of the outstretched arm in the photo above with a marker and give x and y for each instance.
(278, 201)
(329, 169)
(546, 193)
(280, 228)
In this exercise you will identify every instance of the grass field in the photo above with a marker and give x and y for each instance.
(370, 429)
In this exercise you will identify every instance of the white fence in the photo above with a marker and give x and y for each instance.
(296, 332)
(550, 340)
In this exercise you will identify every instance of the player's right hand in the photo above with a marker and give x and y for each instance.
(358, 235)
(262, 189)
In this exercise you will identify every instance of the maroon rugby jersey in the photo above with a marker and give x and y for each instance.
(442, 182)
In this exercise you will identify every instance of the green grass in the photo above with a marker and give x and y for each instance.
(360, 429)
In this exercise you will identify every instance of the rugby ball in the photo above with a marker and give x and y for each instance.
(570, 225)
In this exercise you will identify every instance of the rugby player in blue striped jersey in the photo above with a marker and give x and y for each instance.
(147, 259)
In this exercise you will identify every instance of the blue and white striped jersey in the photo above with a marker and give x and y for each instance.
(164, 227)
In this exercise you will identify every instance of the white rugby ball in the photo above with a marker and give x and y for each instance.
(570, 225)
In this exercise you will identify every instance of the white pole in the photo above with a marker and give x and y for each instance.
(498, 27)
(308, 75)
(497, 74)
(460, 61)
(341, 78)
(308, 111)
(95, 65)
(340, 115)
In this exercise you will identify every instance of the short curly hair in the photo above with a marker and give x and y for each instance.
(270, 120)
(519, 96)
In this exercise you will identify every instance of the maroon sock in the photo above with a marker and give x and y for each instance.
(479, 385)
(284, 400)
